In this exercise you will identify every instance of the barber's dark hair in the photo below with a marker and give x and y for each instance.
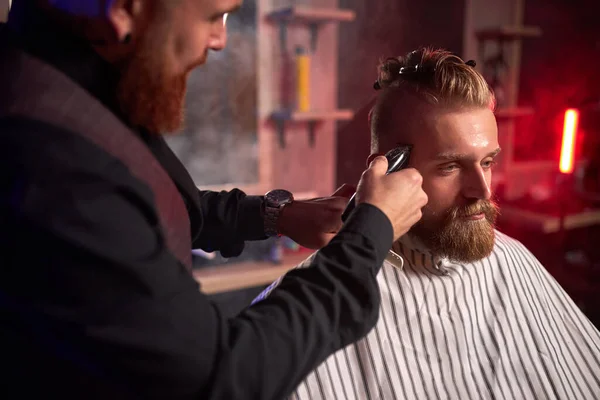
(434, 76)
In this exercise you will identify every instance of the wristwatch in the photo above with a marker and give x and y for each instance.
(275, 200)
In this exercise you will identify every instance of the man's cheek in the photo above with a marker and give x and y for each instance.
(431, 214)
(436, 204)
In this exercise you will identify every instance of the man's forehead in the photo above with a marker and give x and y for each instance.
(226, 6)
(439, 132)
(453, 131)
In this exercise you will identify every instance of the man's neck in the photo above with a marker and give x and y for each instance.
(412, 242)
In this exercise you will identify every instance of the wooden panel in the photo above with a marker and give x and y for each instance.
(509, 33)
(305, 14)
(548, 223)
(315, 115)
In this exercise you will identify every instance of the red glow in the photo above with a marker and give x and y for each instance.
(568, 141)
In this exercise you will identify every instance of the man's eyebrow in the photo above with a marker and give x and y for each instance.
(451, 156)
(235, 8)
(231, 10)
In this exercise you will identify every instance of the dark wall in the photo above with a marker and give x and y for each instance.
(384, 28)
(558, 70)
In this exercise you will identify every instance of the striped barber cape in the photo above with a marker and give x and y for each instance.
(500, 328)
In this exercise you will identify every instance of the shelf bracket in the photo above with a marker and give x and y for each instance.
(281, 133)
(312, 129)
(314, 36)
(283, 35)
(283, 26)
(312, 126)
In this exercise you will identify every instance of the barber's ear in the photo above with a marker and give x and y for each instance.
(372, 157)
(123, 15)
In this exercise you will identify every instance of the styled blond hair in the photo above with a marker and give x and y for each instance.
(432, 76)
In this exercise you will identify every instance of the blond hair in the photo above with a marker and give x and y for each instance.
(432, 76)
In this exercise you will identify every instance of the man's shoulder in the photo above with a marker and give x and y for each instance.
(29, 137)
(506, 242)
(43, 151)
(45, 167)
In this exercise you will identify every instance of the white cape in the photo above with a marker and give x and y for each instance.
(501, 328)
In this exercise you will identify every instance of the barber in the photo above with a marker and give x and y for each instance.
(98, 220)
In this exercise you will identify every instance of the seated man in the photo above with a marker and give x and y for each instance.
(466, 312)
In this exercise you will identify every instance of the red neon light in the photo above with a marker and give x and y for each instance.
(568, 141)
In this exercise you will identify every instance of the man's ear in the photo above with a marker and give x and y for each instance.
(372, 157)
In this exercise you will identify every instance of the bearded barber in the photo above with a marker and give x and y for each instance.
(99, 218)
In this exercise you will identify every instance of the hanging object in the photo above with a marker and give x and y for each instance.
(302, 79)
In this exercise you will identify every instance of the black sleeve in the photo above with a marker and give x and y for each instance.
(222, 221)
(86, 263)
(228, 220)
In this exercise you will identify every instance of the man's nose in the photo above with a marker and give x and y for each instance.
(218, 37)
(476, 184)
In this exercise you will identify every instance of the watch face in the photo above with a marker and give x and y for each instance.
(277, 197)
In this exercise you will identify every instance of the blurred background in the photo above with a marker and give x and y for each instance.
(285, 105)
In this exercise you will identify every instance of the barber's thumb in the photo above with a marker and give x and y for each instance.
(379, 164)
(344, 191)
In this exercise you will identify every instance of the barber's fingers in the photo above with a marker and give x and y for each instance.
(378, 166)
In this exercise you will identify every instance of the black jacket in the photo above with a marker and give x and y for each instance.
(93, 304)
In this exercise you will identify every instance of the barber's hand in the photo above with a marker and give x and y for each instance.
(399, 195)
(313, 223)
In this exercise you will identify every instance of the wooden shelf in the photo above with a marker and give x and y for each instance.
(311, 15)
(314, 116)
(513, 112)
(311, 117)
(243, 275)
(549, 223)
(509, 33)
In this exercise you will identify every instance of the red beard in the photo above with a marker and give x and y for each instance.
(148, 96)
(459, 239)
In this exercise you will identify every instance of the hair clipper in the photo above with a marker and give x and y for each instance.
(397, 159)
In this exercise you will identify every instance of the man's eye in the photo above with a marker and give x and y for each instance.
(448, 168)
(488, 164)
(219, 18)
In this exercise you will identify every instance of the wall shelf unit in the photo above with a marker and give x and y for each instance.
(313, 18)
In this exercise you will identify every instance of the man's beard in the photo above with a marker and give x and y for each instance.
(148, 96)
(457, 238)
